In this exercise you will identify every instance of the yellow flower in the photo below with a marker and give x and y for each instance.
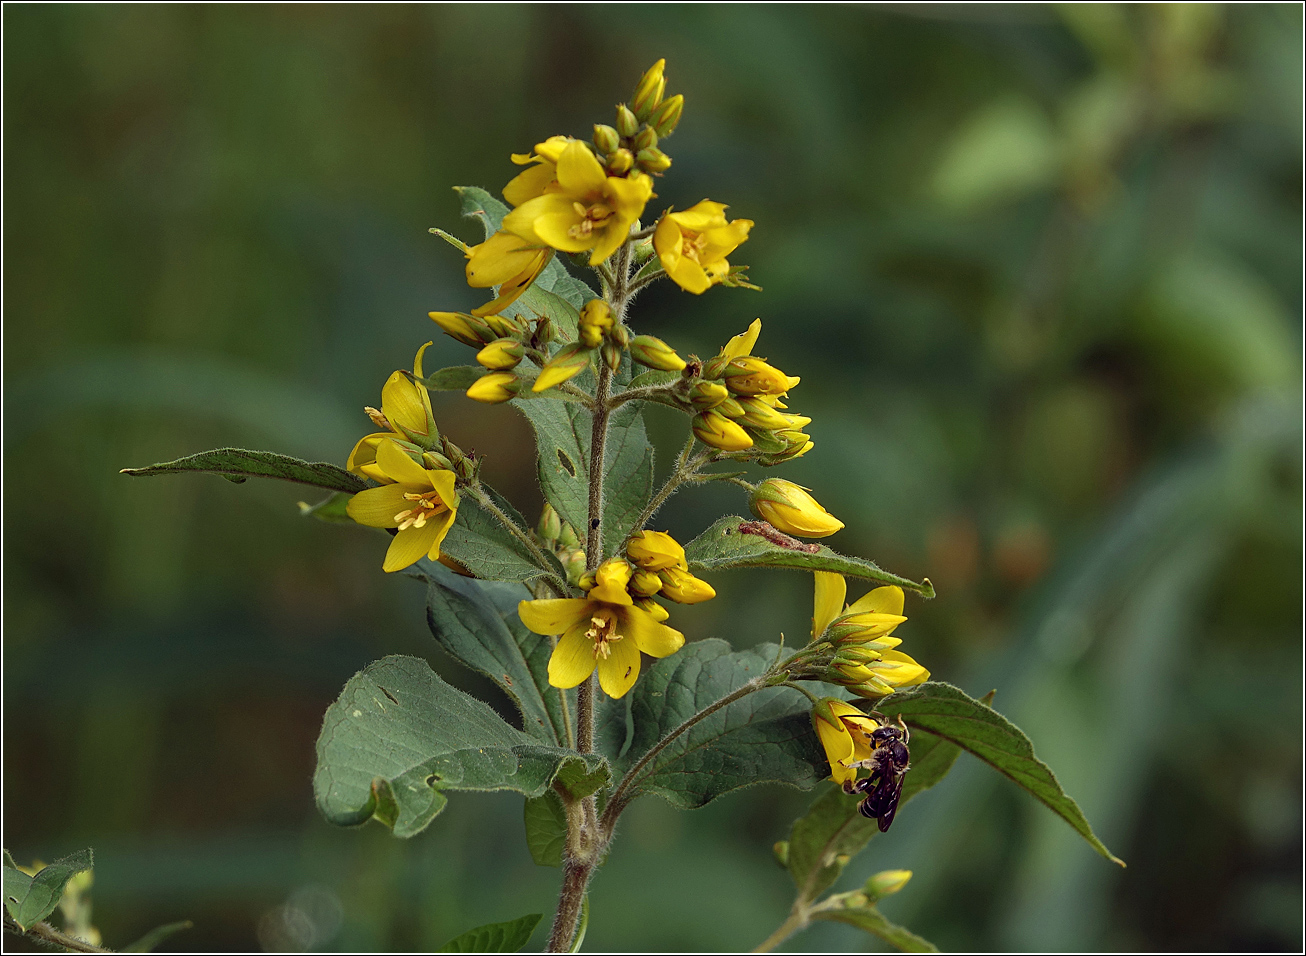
(750, 375)
(507, 261)
(845, 733)
(869, 666)
(656, 551)
(790, 508)
(420, 502)
(713, 428)
(586, 210)
(594, 323)
(604, 630)
(693, 244)
(405, 411)
(494, 387)
(543, 171)
(683, 588)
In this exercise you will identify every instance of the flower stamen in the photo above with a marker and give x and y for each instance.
(426, 506)
(603, 633)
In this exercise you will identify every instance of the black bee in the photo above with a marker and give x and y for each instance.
(888, 764)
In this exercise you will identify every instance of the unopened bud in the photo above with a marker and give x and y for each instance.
(620, 161)
(574, 565)
(595, 321)
(467, 329)
(466, 468)
(714, 368)
(731, 409)
(655, 610)
(612, 353)
(707, 395)
(502, 326)
(587, 581)
(544, 333)
(494, 388)
(759, 414)
(435, 460)
(567, 539)
(550, 525)
(653, 160)
(666, 117)
(648, 92)
(654, 353)
(621, 335)
(886, 883)
(766, 442)
(683, 588)
(606, 138)
(570, 361)
(790, 508)
(501, 354)
(627, 123)
(645, 583)
(646, 139)
(750, 375)
(718, 431)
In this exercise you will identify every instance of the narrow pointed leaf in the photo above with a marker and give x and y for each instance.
(735, 542)
(239, 464)
(399, 736)
(156, 936)
(495, 937)
(30, 899)
(871, 920)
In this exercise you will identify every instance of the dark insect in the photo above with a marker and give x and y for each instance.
(888, 764)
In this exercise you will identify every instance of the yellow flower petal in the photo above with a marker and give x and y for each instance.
(443, 483)
(831, 591)
(530, 183)
(553, 615)
(402, 405)
(651, 637)
(550, 219)
(701, 216)
(377, 507)
(742, 344)
(885, 600)
(620, 669)
(394, 461)
(364, 452)
(412, 544)
(579, 173)
(573, 660)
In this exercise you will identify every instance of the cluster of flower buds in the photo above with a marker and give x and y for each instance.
(641, 123)
(658, 568)
(855, 646)
(501, 342)
(596, 330)
(740, 409)
(561, 538)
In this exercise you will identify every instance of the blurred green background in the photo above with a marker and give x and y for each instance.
(1039, 269)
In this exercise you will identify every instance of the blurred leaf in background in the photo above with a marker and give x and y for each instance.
(1039, 268)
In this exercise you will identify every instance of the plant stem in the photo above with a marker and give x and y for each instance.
(45, 933)
(648, 393)
(685, 471)
(797, 920)
(485, 501)
(575, 877)
(598, 448)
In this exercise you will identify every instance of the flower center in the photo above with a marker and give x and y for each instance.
(425, 506)
(693, 245)
(603, 632)
(591, 218)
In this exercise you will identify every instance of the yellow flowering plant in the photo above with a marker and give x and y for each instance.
(574, 616)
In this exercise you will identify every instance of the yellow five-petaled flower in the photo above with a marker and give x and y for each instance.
(420, 503)
(603, 630)
(845, 733)
(693, 244)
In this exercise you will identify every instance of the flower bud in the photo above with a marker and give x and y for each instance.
(646, 139)
(502, 326)
(611, 353)
(595, 320)
(567, 539)
(656, 551)
(610, 581)
(620, 335)
(494, 387)
(648, 92)
(627, 123)
(570, 361)
(712, 428)
(586, 581)
(501, 354)
(574, 565)
(758, 414)
(667, 116)
(467, 329)
(683, 588)
(654, 353)
(885, 884)
(714, 368)
(750, 375)
(550, 525)
(658, 612)
(620, 161)
(766, 442)
(435, 460)
(707, 395)
(466, 468)
(790, 508)
(653, 160)
(731, 409)
(544, 333)
(606, 138)
(645, 584)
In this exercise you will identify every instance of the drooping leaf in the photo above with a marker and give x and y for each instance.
(495, 937)
(948, 712)
(30, 899)
(399, 736)
(156, 936)
(735, 542)
(239, 464)
(330, 509)
(476, 623)
(870, 919)
(764, 737)
(480, 543)
(562, 435)
(546, 828)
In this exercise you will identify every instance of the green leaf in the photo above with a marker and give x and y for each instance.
(330, 509)
(832, 830)
(729, 544)
(238, 464)
(764, 737)
(399, 736)
(562, 435)
(947, 712)
(455, 378)
(30, 899)
(546, 828)
(653, 376)
(156, 936)
(480, 543)
(476, 622)
(870, 919)
(495, 937)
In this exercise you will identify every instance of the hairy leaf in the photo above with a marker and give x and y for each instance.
(764, 737)
(477, 624)
(30, 899)
(546, 828)
(495, 937)
(973, 726)
(399, 736)
(870, 919)
(562, 435)
(239, 464)
(481, 544)
(735, 542)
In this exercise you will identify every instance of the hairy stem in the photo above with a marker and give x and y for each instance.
(485, 501)
(797, 920)
(685, 471)
(49, 936)
(575, 878)
(648, 393)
